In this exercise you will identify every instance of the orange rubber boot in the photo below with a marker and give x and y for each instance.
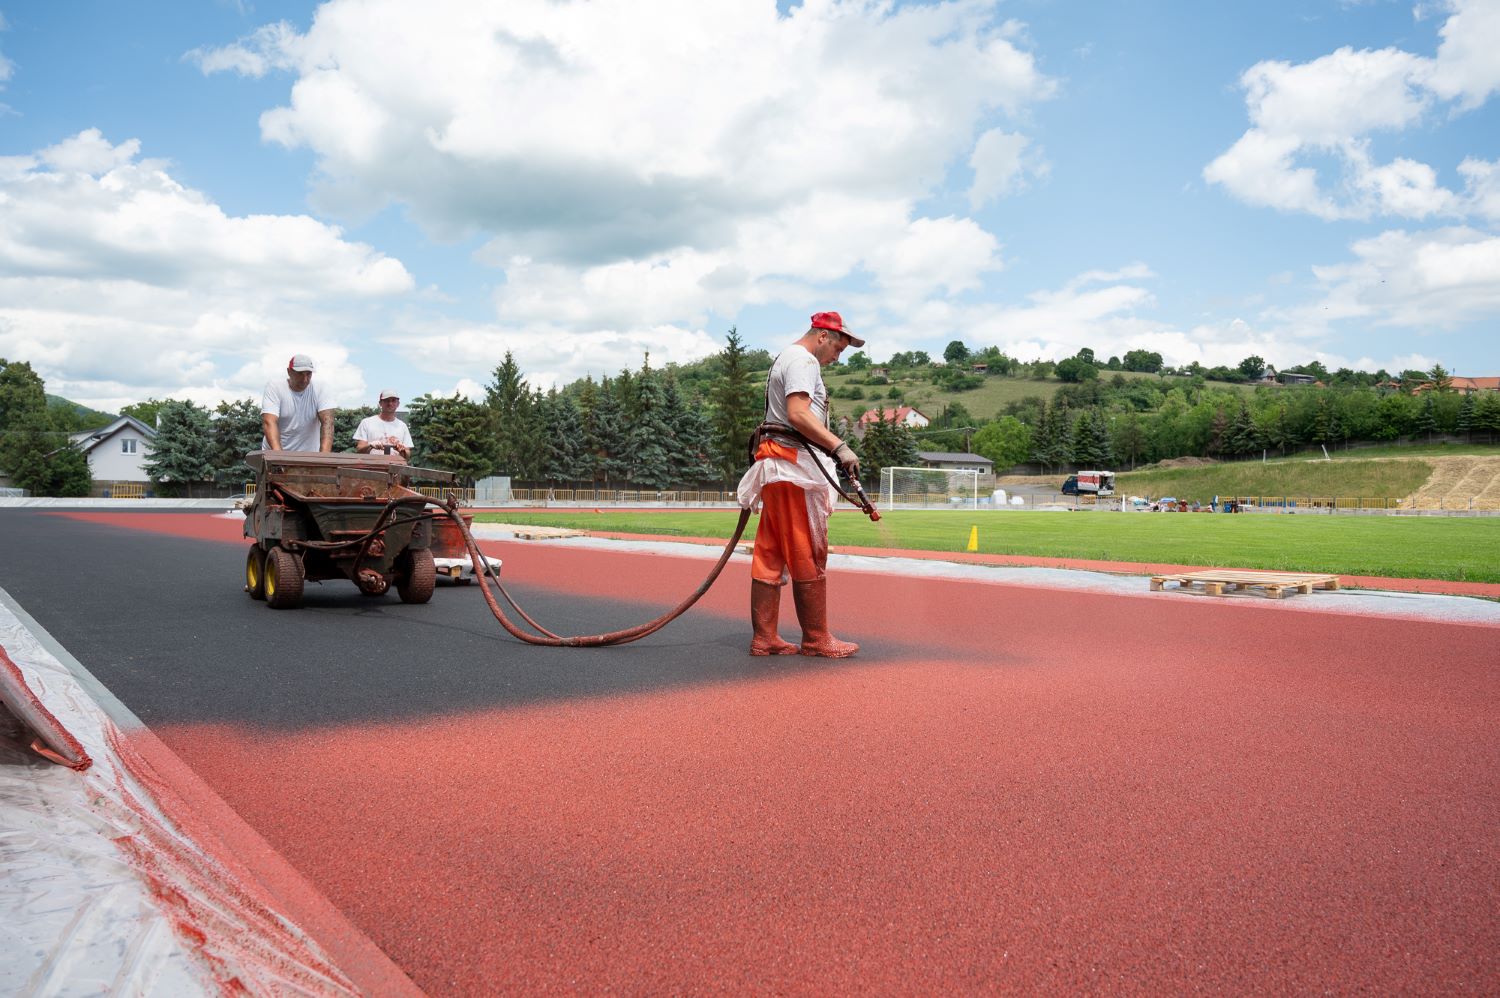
(765, 611)
(812, 611)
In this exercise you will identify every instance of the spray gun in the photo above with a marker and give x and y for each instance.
(865, 505)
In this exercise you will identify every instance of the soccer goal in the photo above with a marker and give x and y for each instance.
(928, 488)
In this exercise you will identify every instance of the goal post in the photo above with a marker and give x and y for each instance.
(929, 488)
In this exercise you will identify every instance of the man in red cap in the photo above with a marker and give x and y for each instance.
(793, 489)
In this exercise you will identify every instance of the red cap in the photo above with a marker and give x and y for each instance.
(835, 322)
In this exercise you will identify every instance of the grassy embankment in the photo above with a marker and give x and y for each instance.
(1386, 479)
(1399, 547)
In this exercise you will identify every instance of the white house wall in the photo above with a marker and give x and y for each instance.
(108, 463)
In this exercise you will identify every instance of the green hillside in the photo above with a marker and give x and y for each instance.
(71, 416)
(984, 402)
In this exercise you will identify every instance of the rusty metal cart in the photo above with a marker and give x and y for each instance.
(339, 516)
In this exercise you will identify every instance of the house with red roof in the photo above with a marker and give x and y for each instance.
(904, 415)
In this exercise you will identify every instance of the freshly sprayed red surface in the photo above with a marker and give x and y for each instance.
(204, 526)
(1046, 791)
(233, 878)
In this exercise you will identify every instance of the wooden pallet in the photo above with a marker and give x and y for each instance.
(1274, 584)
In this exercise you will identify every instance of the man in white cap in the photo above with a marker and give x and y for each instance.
(383, 433)
(795, 494)
(294, 415)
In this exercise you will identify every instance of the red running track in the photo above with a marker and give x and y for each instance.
(1013, 790)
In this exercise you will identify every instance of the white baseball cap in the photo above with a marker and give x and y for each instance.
(389, 393)
(301, 362)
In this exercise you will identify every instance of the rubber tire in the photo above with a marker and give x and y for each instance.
(283, 580)
(420, 577)
(255, 572)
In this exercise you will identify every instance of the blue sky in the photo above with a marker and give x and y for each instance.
(189, 193)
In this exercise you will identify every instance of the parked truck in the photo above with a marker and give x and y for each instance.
(1090, 483)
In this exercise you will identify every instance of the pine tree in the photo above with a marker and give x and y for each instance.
(1487, 414)
(696, 434)
(1242, 438)
(454, 434)
(648, 442)
(563, 459)
(1466, 417)
(515, 425)
(886, 444)
(606, 437)
(1427, 417)
(1058, 447)
(345, 422)
(236, 432)
(182, 452)
(1090, 439)
(1041, 434)
(737, 408)
(691, 460)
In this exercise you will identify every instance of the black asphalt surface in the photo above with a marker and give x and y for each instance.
(164, 624)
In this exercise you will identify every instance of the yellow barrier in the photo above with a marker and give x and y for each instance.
(1315, 502)
(127, 490)
(464, 497)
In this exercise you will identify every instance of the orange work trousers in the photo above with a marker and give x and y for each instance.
(784, 541)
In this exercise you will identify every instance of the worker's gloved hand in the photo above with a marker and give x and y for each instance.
(847, 459)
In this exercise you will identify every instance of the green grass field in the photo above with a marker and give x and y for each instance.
(1462, 549)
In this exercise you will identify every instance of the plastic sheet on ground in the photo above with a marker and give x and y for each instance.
(100, 893)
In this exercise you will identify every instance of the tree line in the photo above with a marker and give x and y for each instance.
(686, 426)
(1123, 423)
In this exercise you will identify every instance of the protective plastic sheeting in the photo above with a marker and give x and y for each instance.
(100, 893)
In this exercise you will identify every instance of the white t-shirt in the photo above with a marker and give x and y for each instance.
(795, 370)
(296, 414)
(373, 429)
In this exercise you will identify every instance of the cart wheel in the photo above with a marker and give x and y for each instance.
(417, 583)
(283, 579)
(255, 572)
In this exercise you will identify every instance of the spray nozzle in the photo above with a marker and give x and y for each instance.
(865, 505)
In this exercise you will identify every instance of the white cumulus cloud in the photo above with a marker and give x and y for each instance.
(116, 273)
(634, 165)
(1303, 115)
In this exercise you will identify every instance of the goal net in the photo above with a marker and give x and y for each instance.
(928, 488)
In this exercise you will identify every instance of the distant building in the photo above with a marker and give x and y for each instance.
(1287, 378)
(947, 461)
(1465, 386)
(905, 415)
(118, 452)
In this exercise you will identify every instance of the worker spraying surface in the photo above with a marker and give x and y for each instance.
(790, 478)
(795, 492)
